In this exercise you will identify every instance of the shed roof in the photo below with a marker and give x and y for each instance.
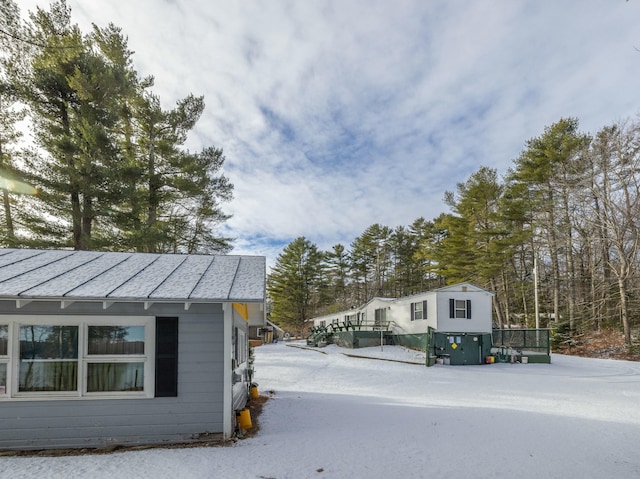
(114, 276)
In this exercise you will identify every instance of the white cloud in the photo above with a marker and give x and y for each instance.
(335, 115)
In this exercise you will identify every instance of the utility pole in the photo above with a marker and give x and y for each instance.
(535, 291)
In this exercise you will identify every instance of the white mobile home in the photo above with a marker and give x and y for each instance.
(453, 321)
(102, 348)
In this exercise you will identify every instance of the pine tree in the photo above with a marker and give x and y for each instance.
(337, 269)
(74, 88)
(294, 282)
(12, 181)
(371, 262)
(110, 167)
(544, 172)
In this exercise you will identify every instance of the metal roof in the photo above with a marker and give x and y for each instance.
(113, 276)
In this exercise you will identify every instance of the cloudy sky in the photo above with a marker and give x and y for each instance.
(338, 114)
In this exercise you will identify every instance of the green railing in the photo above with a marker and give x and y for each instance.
(534, 340)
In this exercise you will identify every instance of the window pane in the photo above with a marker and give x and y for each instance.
(3, 378)
(105, 377)
(116, 340)
(48, 342)
(461, 308)
(41, 375)
(48, 358)
(4, 339)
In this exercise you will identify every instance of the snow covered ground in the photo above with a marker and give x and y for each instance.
(335, 416)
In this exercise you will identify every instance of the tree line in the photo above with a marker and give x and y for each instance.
(564, 217)
(108, 167)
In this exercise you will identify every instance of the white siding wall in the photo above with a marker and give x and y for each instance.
(480, 321)
(401, 311)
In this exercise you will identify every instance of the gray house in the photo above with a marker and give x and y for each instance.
(103, 348)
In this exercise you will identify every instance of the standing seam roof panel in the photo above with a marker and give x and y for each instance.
(102, 285)
(143, 283)
(49, 272)
(250, 279)
(8, 256)
(87, 275)
(30, 263)
(67, 282)
(217, 281)
(184, 279)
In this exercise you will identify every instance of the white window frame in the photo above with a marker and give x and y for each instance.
(4, 360)
(84, 359)
(460, 309)
(422, 312)
(242, 353)
(350, 319)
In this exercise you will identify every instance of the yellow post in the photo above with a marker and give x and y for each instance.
(244, 419)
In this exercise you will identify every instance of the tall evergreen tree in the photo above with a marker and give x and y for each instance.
(471, 251)
(337, 261)
(12, 50)
(110, 167)
(371, 262)
(294, 282)
(194, 213)
(543, 172)
(73, 89)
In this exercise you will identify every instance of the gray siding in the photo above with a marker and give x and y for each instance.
(197, 412)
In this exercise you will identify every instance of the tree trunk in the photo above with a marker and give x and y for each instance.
(496, 303)
(624, 313)
(152, 211)
(7, 210)
(570, 273)
(87, 222)
(76, 210)
(76, 215)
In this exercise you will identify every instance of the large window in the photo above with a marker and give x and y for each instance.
(115, 358)
(77, 356)
(48, 358)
